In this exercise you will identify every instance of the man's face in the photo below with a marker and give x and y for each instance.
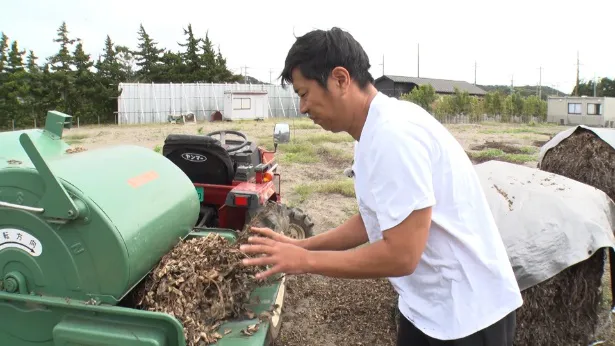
(324, 106)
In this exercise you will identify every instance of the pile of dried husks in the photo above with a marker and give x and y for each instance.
(203, 283)
(565, 310)
(584, 157)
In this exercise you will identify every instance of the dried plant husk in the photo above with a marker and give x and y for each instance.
(203, 283)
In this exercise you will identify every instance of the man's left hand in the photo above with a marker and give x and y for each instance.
(283, 257)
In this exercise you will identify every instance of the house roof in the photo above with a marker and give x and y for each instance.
(441, 85)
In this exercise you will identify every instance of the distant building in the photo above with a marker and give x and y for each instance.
(394, 86)
(581, 110)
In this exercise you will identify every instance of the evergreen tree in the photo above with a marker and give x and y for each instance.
(148, 57)
(190, 58)
(4, 45)
(15, 59)
(63, 60)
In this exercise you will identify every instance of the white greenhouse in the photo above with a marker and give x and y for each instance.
(143, 103)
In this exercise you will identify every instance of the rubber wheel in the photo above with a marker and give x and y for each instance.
(300, 226)
(293, 221)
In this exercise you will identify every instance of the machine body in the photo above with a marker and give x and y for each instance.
(79, 230)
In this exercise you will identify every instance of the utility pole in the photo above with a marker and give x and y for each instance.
(540, 83)
(418, 58)
(382, 64)
(270, 72)
(245, 74)
(576, 90)
(474, 72)
(512, 88)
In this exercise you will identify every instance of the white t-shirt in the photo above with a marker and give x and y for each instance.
(406, 160)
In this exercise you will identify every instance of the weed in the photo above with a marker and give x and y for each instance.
(497, 154)
(75, 139)
(305, 126)
(344, 187)
(327, 138)
(528, 150)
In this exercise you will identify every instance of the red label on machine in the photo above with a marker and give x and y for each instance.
(143, 179)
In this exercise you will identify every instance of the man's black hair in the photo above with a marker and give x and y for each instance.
(318, 52)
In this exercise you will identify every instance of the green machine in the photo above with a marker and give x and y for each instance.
(78, 232)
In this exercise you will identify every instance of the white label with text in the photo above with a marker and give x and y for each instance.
(15, 238)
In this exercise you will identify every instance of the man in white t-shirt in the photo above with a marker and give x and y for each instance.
(421, 207)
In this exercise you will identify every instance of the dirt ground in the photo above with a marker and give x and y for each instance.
(318, 310)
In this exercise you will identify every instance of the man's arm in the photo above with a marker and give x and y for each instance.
(397, 254)
(348, 235)
(403, 201)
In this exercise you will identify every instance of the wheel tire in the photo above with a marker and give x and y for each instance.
(301, 225)
(282, 218)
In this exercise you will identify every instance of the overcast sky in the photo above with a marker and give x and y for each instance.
(507, 39)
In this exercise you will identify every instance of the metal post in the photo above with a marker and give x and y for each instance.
(156, 103)
(172, 98)
(142, 118)
(198, 90)
(292, 98)
(216, 96)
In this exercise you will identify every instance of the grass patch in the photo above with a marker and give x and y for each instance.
(498, 154)
(304, 126)
(311, 149)
(296, 152)
(524, 129)
(75, 139)
(344, 187)
(334, 155)
(529, 150)
(305, 152)
(158, 148)
(518, 158)
(326, 138)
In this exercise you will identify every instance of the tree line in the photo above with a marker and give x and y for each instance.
(604, 87)
(495, 103)
(71, 81)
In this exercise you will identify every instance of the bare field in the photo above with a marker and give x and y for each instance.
(321, 311)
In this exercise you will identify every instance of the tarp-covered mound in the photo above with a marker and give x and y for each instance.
(551, 225)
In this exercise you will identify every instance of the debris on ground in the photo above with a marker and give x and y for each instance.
(329, 312)
(75, 150)
(505, 147)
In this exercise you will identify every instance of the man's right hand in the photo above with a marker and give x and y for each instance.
(269, 233)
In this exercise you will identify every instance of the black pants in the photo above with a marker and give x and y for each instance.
(501, 333)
